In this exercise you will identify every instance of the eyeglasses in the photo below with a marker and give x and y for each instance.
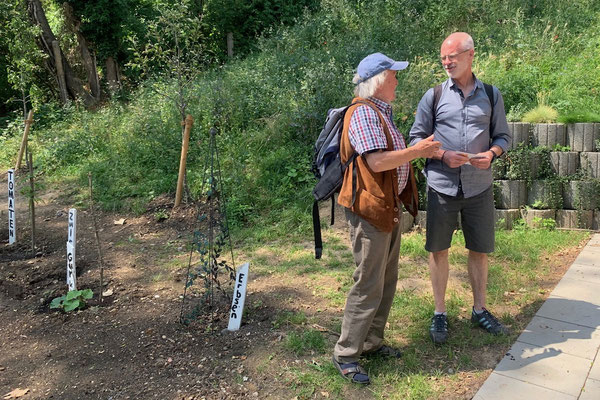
(452, 57)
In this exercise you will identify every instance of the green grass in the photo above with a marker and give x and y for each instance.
(518, 272)
(574, 117)
(305, 342)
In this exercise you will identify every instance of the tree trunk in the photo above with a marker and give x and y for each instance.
(112, 74)
(60, 73)
(87, 56)
(74, 85)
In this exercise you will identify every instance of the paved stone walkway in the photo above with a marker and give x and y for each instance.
(556, 357)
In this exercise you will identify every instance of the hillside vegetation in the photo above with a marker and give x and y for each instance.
(269, 106)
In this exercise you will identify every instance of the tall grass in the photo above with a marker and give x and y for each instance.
(269, 107)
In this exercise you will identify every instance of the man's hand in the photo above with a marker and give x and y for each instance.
(427, 147)
(482, 160)
(454, 159)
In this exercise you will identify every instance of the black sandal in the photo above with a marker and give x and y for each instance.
(352, 372)
(384, 351)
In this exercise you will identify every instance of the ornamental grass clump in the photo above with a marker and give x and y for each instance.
(541, 114)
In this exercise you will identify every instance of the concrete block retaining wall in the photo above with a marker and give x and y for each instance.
(520, 133)
(510, 194)
(534, 218)
(573, 219)
(590, 161)
(504, 219)
(565, 163)
(582, 137)
(541, 192)
(549, 135)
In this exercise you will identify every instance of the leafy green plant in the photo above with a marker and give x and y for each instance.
(541, 114)
(548, 223)
(558, 147)
(160, 215)
(73, 300)
(539, 205)
(518, 163)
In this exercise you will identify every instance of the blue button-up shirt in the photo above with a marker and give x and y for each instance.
(461, 124)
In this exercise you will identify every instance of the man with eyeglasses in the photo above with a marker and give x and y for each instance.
(473, 132)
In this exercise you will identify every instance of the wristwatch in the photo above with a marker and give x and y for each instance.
(494, 156)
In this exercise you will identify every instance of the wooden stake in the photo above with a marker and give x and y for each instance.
(189, 121)
(97, 238)
(230, 44)
(28, 123)
(31, 201)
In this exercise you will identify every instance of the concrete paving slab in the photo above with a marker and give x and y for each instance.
(546, 367)
(595, 240)
(577, 290)
(595, 371)
(591, 390)
(497, 387)
(589, 257)
(583, 273)
(573, 311)
(567, 338)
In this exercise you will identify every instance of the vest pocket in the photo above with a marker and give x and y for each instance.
(372, 208)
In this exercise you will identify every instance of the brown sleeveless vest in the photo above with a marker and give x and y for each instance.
(376, 196)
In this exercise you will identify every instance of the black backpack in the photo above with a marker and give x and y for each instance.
(328, 167)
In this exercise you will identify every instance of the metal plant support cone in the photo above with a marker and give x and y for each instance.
(210, 241)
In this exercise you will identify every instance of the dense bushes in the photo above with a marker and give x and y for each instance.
(268, 108)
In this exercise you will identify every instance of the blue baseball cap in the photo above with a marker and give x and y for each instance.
(376, 63)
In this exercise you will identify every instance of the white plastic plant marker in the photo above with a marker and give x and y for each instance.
(239, 297)
(71, 272)
(71, 250)
(12, 226)
(72, 236)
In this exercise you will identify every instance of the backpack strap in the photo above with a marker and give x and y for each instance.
(437, 93)
(388, 138)
(489, 90)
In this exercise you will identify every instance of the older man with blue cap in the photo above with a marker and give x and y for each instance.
(378, 180)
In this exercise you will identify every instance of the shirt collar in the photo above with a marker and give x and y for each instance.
(478, 83)
(382, 105)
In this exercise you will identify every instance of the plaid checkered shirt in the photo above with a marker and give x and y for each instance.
(366, 134)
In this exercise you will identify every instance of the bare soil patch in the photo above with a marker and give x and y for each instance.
(132, 346)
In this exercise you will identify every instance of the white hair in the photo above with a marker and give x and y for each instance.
(369, 87)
